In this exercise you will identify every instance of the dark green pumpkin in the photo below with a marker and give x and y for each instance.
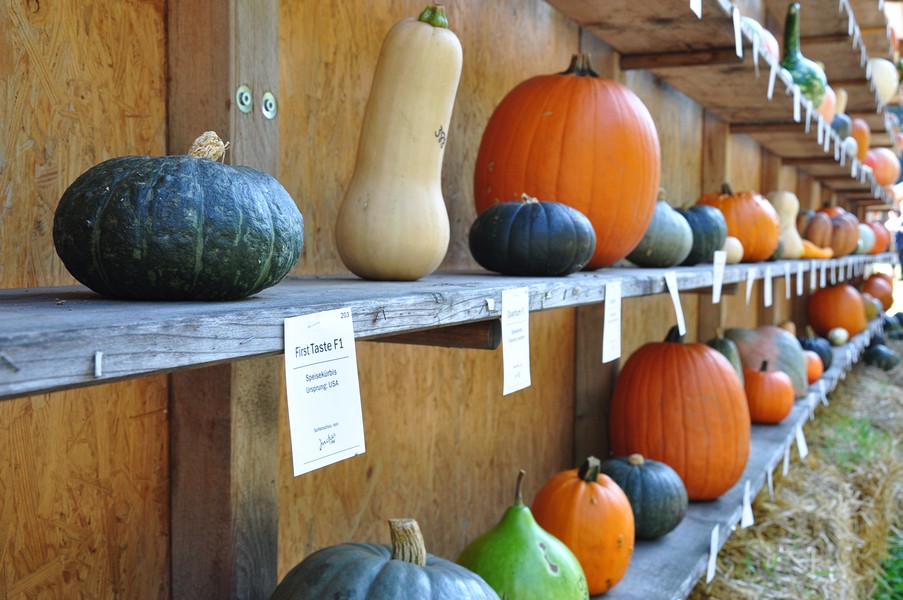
(401, 571)
(532, 238)
(667, 240)
(881, 356)
(709, 232)
(656, 492)
(177, 228)
(805, 72)
(729, 349)
(819, 345)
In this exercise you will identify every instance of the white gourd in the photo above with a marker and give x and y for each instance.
(393, 223)
(787, 205)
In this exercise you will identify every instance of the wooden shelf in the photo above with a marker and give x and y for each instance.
(50, 338)
(669, 567)
(698, 58)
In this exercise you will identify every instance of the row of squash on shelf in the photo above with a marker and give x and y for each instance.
(680, 430)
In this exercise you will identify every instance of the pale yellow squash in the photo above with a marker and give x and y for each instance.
(733, 249)
(393, 223)
(787, 205)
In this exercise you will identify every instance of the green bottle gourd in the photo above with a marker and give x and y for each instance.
(806, 73)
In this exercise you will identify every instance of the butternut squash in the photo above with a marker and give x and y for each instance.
(810, 250)
(787, 205)
(393, 223)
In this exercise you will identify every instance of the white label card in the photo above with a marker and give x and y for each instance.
(787, 284)
(718, 261)
(713, 555)
(515, 339)
(796, 103)
(746, 519)
(696, 7)
(800, 281)
(823, 392)
(738, 37)
(767, 289)
(611, 332)
(801, 445)
(750, 281)
(324, 398)
(833, 272)
(671, 282)
(823, 276)
(769, 477)
(785, 466)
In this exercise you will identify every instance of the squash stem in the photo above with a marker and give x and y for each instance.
(580, 66)
(519, 489)
(407, 541)
(589, 470)
(674, 336)
(636, 459)
(764, 366)
(792, 31)
(434, 15)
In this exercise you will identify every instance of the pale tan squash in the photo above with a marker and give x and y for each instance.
(393, 223)
(787, 205)
(734, 249)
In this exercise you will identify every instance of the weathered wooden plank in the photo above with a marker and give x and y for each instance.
(481, 335)
(593, 385)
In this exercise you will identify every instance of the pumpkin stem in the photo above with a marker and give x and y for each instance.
(519, 489)
(764, 366)
(528, 199)
(719, 332)
(636, 459)
(589, 470)
(580, 66)
(674, 336)
(434, 15)
(726, 189)
(208, 145)
(810, 333)
(407, 541)
(792, 31)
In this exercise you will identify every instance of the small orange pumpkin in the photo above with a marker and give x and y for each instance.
(885, 165)
(879, 288)
(750, 218)
(815, 368)
(815, 227)
(769, 394)
(844, 230)
(591, 514)
(836, 306)
(882, 237)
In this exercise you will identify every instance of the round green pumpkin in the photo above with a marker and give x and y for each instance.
(819, 345)
(729, 349)
(177, 228)
(656, 492)
(667, 241)
(709, 232)
(400, 571)
(532, 238)
(881, 356)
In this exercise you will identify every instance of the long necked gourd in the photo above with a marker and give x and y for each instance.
(393, 223)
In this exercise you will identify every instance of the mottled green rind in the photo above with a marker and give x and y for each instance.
(522, 561)
(667, 241)
(656, 493)
(881, 356)
(177, 228)
(357, 571)
(820, 346)
(778, 346)
(729, 349)
(805, 73)
(709, 233)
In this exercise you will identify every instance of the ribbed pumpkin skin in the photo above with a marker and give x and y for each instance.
(594, 519)
(586, 141)
(359, 571)
(656, 492)
(177, 228)
(751, 219)
(769, 395)
(728, 348)
(777, 346)
(532, 238)
(879, 288)
(683, 405)
(836, 306)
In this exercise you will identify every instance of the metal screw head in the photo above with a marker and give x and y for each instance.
(244, 99)
(268, 106)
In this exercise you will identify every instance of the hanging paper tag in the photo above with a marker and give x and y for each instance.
(515, 339)
(750, 281)
(746, 518)
(801, 446)
(833, 272)
(769, 479)
(808, 116)
(820, 131)
(796, 103)
(767, 292)
(849, 269)
(611, 332)
(772, 75)
(787, 284)
(713, 555)
(823, 275)
(326, 423)
(800, 281)
(719, 259)
(738, 37)
(696, 7)
(785, 467)
(827, 141)
(823, 392)
(671, 282)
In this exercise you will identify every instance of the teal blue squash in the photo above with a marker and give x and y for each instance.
(819, 345)
(881, 356)
(177, 228)
(709, 232)
(805, 73)
(667, 241)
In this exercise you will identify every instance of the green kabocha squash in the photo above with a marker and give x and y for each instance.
(728, 348)
(805, 72)
(819, 345)
(667, 241)
(177, 227)
(709, 232)
(400, 571)
(532, 238)
(881, 356)
(775, 345)
(522, 561)
(656, 492)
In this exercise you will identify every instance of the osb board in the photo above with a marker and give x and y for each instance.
(443, 444)
(84, 502)
(328, 52)
(83, 474)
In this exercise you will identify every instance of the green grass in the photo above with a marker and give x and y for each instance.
(890, 586)
(852, 441)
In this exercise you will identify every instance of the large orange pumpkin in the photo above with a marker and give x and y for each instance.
(750, 218)
(587, 511)
(885, 165)
(683, 405)
(578, 139)
(837, 306)
(879, 288)
(769, 394)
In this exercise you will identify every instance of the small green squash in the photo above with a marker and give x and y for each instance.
(177, 228)
(532, 238)
(709, 232)
(667, 241)
(728, 348)
(656, 492)
(881, 356)
(777, 346)
(805, 72)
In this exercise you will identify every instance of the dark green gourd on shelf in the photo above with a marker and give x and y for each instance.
(806, 73)
(709, 233)
(177, 228)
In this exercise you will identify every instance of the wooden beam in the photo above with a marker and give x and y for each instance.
(224, 419)
(481, 335)
(665, 60)
(768, 127)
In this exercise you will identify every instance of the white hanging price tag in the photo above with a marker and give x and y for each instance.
(823, 392)
(767, 290)
(719, 259)
(671, 282)
(849, 269)
(326, 423)
(611, 332)
(823, 275)
(769, 479)
(787, 283)
(738, 37)
(801, 447)
(750, 281)
(827, 141)
(515, 339)
(746, 518)
(772, 75)
(713, 555)
(796, 103)
(813, 276)
(785, 466)
(833, 272)
(696, 7)
(800, 281)
(842, 271)
(808, 116)
(820, 131)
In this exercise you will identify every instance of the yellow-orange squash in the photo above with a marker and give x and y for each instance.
(578, 139)
(751, 219)
(878, 287)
